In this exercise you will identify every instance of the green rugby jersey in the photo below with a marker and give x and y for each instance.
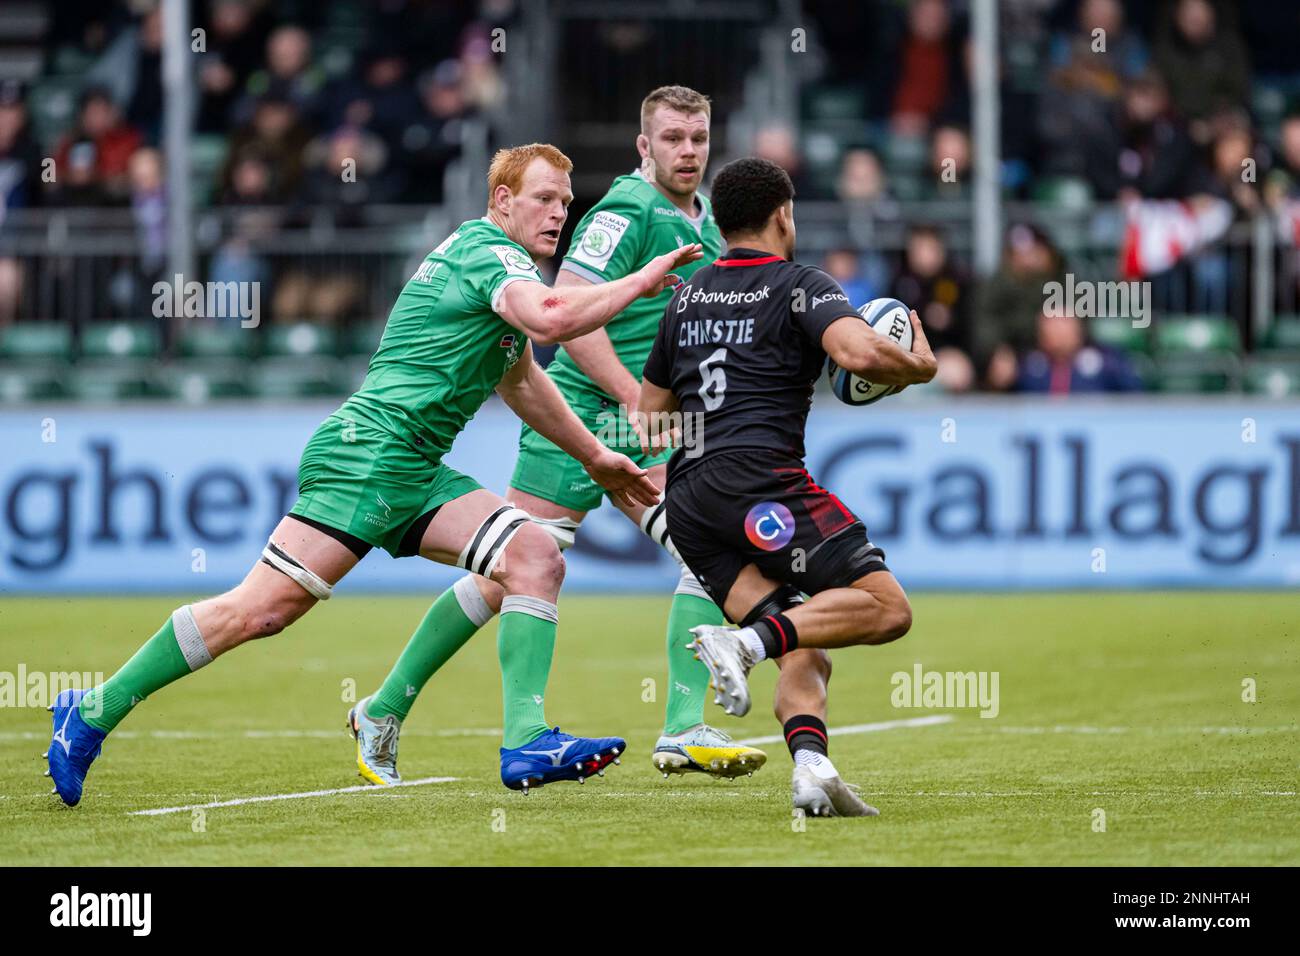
(444, 348)
(631, 225)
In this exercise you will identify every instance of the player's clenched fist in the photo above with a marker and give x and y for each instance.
(928, 365)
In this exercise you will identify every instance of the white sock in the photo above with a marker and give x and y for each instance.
(749, 637)
(821, 764)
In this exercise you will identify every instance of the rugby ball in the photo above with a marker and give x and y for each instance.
(890, 318)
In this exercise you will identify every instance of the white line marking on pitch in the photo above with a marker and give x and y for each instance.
(363, 788)
(861, 728)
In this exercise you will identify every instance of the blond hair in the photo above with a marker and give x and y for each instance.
(683, 99)
(508, 165)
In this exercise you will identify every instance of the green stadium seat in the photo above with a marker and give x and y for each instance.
(1274, 378)
(52, 106)
(1207, 373)
(300, 339)
(227, 340)
(845, 103)
(110, 382)
(288, 378)
(906, 187)
(362, 338)
(1064, 192)
(1268, 103)
(905, 153)
(28, 383)
(68, 60)
(1283, 334)
(207, 157)
(1196, 334)
(1118, 332)
(120, 340)
(36, 342)
(197, 381)
(1144, 367)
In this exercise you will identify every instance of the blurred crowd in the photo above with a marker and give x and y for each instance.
(1101, 100)
(286, 91)
(321, 110)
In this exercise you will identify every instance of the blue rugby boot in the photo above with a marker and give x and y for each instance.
(552, 756)
(73, 747)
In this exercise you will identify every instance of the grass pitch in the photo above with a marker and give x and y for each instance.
(1128, 704)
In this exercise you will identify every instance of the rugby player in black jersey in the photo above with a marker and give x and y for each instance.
(738, 351)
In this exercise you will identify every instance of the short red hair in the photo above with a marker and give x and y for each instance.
(508, 165)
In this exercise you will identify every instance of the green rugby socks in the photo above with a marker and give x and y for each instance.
(525, 646)
(176, 650)
(688, 679)
(452, 620)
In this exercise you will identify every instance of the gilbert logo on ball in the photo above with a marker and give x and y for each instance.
(769, 525)
(887, 317)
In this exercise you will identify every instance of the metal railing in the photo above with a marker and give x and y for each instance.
(83, 265)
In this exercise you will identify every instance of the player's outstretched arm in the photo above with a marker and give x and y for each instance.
(854, 345)
(594, 353)
(532, 396)
(653, 418)
(549, 315)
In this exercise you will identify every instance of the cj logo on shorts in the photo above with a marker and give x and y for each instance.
(769, 525)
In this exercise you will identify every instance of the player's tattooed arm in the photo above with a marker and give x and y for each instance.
(595, 356)
(532, 396)
(549, 315)
(855, 346)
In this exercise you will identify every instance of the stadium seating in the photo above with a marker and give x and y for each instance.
(34, 357)
(1118, 332)
(1273, 377)
(118, 361)
(52, 105)
(207, 156)
(362, 338)
(300, 339)
(36, 342)
(199, 381)
(120, 340)
(212, 363)
(288, 378)
(226, 340)
(1197, 353)
(1283, 335)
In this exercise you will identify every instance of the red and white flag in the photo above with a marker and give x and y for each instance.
(1160, 232)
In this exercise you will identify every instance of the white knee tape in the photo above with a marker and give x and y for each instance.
(189, 639)
(471, 601)
(532, 606)
(654, 522)
(487, 546)
(688, 583)
(282, 561)
(563, 530)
